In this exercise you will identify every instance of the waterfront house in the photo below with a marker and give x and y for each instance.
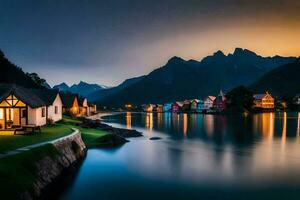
(20, 106)
(148, 107)
(159, 108)
(263, 101)
(53, 103)
(93, 108)
(84, 109)
(70, 103)
(194, 105)
(186, 106)
(219, 103)
(177, 106)
(208, 103)
(200, 106)
(167, 107)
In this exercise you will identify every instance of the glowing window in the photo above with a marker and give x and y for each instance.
(1, 113)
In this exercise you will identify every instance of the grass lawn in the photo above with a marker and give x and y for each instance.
(50, 132)
(19, 172)
(89, 136)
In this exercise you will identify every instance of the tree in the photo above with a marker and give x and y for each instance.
(240, 99)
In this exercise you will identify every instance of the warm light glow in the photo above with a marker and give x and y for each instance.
(283, 137)
(1, 113)
(208, 122)
(268, 125)
(185, 124)
(298, 125)
(149, 121)
(128, 120)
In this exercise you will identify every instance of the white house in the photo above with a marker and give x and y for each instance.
(20, 106)
(209, 102)
(53, 102)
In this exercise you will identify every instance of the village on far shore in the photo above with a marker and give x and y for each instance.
(218, 104)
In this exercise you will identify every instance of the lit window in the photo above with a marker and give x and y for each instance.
(1, 113)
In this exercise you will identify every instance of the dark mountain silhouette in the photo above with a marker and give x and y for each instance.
(10, 73)
(100, 94)
(82, 88)
(180, 79)
(283, 81)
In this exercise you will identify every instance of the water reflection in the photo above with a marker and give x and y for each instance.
(149, 121)
(128, 120)
(185, 124)
(202, 157)
(298, 125)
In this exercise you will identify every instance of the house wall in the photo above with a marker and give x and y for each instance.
(35, 116)
(51, 109)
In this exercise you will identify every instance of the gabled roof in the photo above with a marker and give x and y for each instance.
(179, 103)
(259, 96)
(212, 98)
(25, 95)
(67, 98)
(48, 96)
(81, 100)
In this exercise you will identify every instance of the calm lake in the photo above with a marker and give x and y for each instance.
(198, 157)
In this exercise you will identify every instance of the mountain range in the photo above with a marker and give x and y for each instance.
(283, 80)
(82, 88)
(179, 79)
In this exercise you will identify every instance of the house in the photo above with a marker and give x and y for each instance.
(177, 107)
(148, 107)
(167, 107)
(20, 106)
(53, 103)
(159, 108)
(84, 109)
(200, 106)
(297, 99)
(186, 106)
(264, 101)
(70, 103)
(194, 105)
(220, 102)
(208, 103)
(93, 108)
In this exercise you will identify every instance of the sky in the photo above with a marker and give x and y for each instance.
(106, 42)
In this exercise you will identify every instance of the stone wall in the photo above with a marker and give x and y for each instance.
(70, 149)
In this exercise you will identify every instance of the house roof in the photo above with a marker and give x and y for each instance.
(259, 96)
(48, 96)
(212, 98)
(25, 95)
(67, 98)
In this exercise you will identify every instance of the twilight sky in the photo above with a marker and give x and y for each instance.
(106, 42)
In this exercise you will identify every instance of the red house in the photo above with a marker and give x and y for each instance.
(177, 106)
(220, 102)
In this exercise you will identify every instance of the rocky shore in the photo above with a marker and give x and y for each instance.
(70, 150)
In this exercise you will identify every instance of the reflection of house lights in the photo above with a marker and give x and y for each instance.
(298, 126)
(185, 124)
(283, 139)
(128, 120)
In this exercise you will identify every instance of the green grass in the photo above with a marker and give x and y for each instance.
(50, 132)
(19, 172)
(89, 136)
